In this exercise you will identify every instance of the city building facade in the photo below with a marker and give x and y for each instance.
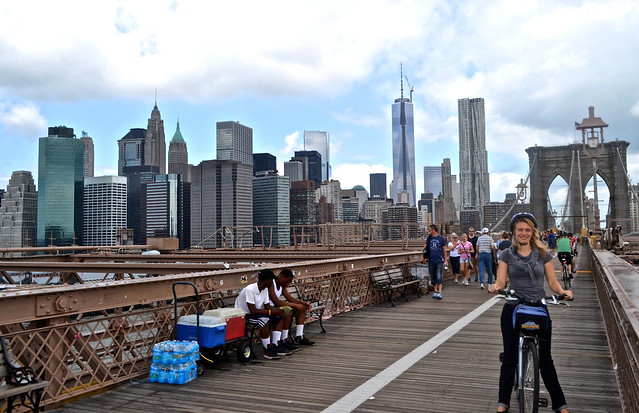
(105, 209)
(271, 210)
(19, 212)
(378, 185)
(179, 156)
(433, 181)
(234, 142)
(264, 162)
(131, 149)
(403, 186)
(136, 176)
(221, 204)
(155, 143)
(60, 188)
(313, 165)
(88, 154)
(295, 171)
(473, 158)
(166, 209)
(319, 141)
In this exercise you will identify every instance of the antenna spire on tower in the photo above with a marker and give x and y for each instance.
(401, 79)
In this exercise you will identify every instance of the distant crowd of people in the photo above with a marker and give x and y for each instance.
(474, 257)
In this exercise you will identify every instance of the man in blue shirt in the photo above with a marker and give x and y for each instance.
(437, 256)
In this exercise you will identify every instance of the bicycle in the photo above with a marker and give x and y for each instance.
(565, 274)
(529, 317)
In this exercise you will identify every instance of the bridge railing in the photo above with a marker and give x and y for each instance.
(622, 323)
(84, 338)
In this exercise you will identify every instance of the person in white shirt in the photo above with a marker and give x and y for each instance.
(254, 301)
(281, 298)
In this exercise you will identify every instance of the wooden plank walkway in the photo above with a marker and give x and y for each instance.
(459, 375)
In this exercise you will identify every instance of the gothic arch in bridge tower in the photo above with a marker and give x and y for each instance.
(576, 168)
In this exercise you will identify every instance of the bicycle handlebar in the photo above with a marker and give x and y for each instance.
(510, 294)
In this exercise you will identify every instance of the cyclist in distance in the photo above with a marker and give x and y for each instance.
(525, 265)
(564, 251)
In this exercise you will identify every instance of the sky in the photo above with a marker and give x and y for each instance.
(283, 67)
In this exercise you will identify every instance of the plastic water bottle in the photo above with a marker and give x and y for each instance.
(154, 376)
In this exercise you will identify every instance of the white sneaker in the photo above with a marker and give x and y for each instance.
(466, 282)
(482, 286)
(456, 282)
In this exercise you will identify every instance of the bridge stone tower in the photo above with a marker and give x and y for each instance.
(575, 163)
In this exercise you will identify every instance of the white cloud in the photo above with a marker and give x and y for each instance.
(291, 141)
(23, 119)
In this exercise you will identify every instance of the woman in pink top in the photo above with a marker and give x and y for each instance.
(465, 249)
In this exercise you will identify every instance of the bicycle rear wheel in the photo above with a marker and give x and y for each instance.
(566, 277)
(528, 393)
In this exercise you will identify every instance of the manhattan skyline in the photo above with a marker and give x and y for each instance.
(536, 83)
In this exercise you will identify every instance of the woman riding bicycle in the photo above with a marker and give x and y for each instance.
(524, 265)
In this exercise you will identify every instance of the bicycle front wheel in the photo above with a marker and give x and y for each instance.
(529, 380)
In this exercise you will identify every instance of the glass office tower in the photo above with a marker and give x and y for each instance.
(319, 141)
(404, 188)
(60, 188)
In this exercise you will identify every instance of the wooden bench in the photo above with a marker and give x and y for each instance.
(27, 395)
(387, 281)
(317, 304)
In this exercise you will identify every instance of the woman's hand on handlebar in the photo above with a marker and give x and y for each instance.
(568, 295)
(492, 289)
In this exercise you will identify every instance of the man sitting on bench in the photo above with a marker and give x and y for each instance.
(254, 301)
(282, 299)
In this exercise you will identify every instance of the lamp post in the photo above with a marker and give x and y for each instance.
(592, 138)
(521, 191)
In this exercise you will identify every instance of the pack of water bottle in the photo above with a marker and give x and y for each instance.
(175, 352)
(173, 373)
(174, 362)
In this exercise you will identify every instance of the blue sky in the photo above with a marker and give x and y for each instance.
(288, 66)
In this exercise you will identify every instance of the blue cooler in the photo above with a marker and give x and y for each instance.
(212, 330)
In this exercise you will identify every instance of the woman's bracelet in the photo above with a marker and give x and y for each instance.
(269, 312)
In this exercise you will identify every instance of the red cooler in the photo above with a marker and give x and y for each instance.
(235, 321)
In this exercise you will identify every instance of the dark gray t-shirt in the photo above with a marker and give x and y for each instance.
(525, 275)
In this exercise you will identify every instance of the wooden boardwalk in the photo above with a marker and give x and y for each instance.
(383, 359)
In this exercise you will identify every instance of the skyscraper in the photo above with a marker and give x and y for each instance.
(319, 141)
(313, 162)
(303, 205)
(378, 185)
(60, 188)
(264, 162)
(271, 210)
(294, 170)
(104, 209)
(221, 203)
(88, 154)
(131, 149)
(404, 188)
(136, 176)
(433, 180)
(155, 145)
(473, 158)
(19, 212)
(179, 156)
(234, 142)
(332, 191)
(166, 209)
(450, 212)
